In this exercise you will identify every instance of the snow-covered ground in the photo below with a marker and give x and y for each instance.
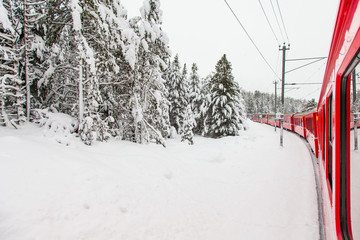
(245, 187)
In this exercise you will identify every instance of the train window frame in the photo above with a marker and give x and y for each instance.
(329, 140)
(324, 134)
(345, 112)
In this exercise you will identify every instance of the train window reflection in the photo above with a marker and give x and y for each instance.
(354, 152)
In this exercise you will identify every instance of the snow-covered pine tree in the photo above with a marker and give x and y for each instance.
(226, 113)
(174, 93)
(70, 81)
(179, 94)
(201, 127)
(186, 117)
(115, 62)
(11, 95)
(148, 95)
(188, 125)
(196, 96)
(32, 54)
(88, 68)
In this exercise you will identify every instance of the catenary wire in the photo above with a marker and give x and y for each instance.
(252, 41)
(282, 20)
(267, 19)
(277, 20)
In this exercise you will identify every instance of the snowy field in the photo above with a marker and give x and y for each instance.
(245, 187)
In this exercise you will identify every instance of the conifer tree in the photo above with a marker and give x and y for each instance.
(196, 96)
(188, 125)
(11, 94)
(148, 94)
(226, 113)
(175, 95)
(186, 117)
(201, 127)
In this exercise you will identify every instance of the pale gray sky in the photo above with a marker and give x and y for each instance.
(202, 31)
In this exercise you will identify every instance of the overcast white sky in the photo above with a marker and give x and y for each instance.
(202, 31)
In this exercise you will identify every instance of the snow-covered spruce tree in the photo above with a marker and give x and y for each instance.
(70, 81)
(179, 94)
(197, 97)
(188, 125)
(116, 61)
(148, 104)
(12, 96)
(201, 127)
(32, 55)
(226, 113)
(88, 51)
(187, 118)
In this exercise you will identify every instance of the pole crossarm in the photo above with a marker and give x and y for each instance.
(304, 65)
(301, 83)
(304, 59)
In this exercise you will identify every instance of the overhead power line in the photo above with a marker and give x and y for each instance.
(267, 19)
(277, 20)
(282, 20)
(252, 41)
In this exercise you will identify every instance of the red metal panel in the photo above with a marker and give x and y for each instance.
(345, 44)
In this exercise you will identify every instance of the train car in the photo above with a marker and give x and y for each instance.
(255, 117)
(272, 119)
(299, 127)
(338, 108)
(311, 132)
(289, 122)
(332, 130)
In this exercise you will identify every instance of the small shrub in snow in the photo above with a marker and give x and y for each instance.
(173, 133)
(87, 131)
(59, 126)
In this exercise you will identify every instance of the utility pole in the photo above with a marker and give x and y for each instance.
(275, 82)
(283, 49)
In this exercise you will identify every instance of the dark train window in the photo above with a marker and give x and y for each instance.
(330, 139)
(310, 124)
(324, 135)
(354, 152)
(349, 151)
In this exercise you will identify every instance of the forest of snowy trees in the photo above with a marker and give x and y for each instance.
(113, 75)
(258, 102)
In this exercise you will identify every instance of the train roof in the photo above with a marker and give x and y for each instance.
(299, 114)
(337, 62)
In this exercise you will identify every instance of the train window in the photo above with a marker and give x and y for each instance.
(324, 136)
(350, 155)
(354, 152)
(310, 124)
(330, 139)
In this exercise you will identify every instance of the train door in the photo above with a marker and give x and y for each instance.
(350, 155)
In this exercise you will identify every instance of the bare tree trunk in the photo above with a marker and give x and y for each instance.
(81, 92)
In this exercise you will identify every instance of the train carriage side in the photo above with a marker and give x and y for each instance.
(272, 119)
(311, 131)
(299, 127)
(339, 161)
(289, 122)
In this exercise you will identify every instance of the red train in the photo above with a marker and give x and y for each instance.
(332, 128)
